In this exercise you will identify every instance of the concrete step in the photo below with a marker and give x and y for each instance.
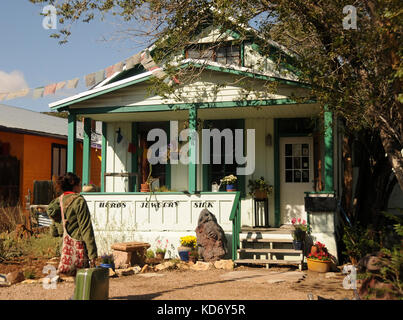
(266, 261)
(251, 250)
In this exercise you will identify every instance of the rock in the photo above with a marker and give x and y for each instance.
(125, 272)
(145, 268)
(210, 237)
(30, 281)
(136, 269)
(330, 275)
(201, 266)
(183, 266)
(121, 259)
(371, 262)
(112, 273)
(67, 279)
(224, 264)
(164, 266)
(15, 277)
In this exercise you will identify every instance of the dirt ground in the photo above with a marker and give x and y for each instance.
(196, 285)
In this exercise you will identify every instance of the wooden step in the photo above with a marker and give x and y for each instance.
(269, 240)
(266, 261)
(251, 250)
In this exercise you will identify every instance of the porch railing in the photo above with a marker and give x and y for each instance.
(235, 217)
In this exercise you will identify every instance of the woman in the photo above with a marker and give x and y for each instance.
(77, 216)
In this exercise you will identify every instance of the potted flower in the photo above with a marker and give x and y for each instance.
(107, 261)
(259, 188)
(188, 243)
(161, 249)
(319, 259)
(229, 181)
(298, 234)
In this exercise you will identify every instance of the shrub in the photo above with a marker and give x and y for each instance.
(10, 217)
(150, 254)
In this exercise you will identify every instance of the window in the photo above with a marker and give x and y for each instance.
(225, 55)
(59, 160)
(297, 162)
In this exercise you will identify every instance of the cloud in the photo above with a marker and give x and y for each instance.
(12, 81)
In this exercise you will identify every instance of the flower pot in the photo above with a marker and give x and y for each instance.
(145, 187)
(184, 253)
(297, 244)
(260, 194)
(230, 187)
(318, 265)
(108, 266)
(160, 255)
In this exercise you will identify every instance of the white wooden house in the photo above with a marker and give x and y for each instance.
(295, 146)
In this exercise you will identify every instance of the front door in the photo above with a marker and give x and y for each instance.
(296, 176)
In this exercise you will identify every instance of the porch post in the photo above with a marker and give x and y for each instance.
(134, 140)
(103, 157)
(193, 145)
(328, 136)
(87, 152)
(71, 143)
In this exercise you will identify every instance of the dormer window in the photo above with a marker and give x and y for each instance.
(230, 54)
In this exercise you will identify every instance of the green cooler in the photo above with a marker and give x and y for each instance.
(92, 284)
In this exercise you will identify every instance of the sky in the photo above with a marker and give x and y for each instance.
(30, 58)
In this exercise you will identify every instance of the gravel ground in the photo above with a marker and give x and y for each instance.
(196, 285)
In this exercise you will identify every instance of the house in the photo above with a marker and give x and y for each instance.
(33, 146)
(290, 143)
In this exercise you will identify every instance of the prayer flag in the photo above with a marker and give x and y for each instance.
(38, 92)
(90, 79)
(50, 89)
(110, 71)
(99, 76)
(72, 84)
(60, 85)
(118, 67)
(3, 96)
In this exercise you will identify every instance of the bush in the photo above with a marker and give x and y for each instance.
(150, 254)
(10, 217)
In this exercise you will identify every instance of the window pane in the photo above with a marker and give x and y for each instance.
(222, 60)
(288, 149)
(296, 150)
(305, 175)
(233, 51)
(305, 150)
(233, 60)
(56, 161)
(297, 163)
(63, 161)
(194, 54)
(305, 163)
(297, 175)
(288, 176)
(288, 163)
(221, 52)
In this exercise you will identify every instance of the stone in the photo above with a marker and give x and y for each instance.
(15, 277)
(201, 266)
(164, 266)
(136, 269)
(30, 281)
(224, 264)
(125, 272)
(183, 266)
(121, 259)
(112, 273)
(145, 268)
(329, 275)
(67, 279)
(210, 237)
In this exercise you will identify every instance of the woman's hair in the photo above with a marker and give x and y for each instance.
(67, 182)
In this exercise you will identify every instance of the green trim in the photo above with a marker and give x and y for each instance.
(103, 156)
(328, 122)
(87, 152)
(247, 74)
(71, 143)
(134, 140)
(243, 54)
(240, 123)
(192, 150)
(277, 213)
(101, 92)
(206, 169)
(187, 106)
(156, 193)
(168, 169)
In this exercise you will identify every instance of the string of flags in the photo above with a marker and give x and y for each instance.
(144, 57)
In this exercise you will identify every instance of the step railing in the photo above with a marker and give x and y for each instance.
(235, 217)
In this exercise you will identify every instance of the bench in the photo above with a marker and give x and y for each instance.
(128, 254)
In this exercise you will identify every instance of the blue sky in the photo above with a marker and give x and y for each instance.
(27, 48)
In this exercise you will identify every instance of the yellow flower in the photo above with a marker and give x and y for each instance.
(189, 241)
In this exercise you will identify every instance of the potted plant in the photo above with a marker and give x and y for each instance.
(161, 249)
(259, 188)
(319, 259)
(229, 181)
(298, 234)
(146, 187)
(188, 243)
(107, 261)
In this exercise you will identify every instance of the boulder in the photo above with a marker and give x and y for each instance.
(164, 266)
(224, 264)
(15, 277)
(201, 266)
(210, 237)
